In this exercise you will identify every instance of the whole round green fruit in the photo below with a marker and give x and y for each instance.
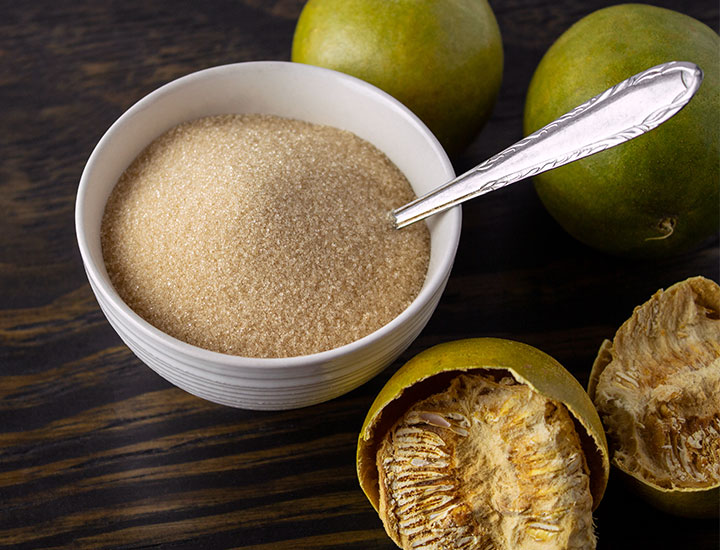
(442, 58)
(656, 195)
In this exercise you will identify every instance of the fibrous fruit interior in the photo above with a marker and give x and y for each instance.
(486, 464)
(659, 395)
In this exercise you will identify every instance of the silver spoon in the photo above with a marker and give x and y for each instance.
(619, 114)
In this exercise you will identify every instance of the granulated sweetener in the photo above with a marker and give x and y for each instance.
(263, 236)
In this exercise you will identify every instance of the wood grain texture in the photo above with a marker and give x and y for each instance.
(97, 451)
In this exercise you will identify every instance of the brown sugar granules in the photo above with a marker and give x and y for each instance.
(262, 236)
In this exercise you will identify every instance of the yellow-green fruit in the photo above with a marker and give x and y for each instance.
(658, 194)
(442, 58)
(484, 442)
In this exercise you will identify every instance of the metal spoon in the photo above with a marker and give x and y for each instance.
(619, 114)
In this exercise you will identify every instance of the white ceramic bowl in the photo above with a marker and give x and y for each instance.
(290, 90)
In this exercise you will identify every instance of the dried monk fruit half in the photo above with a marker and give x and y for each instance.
(484, 443)
(657, 389)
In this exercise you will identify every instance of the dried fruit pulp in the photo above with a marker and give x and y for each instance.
(657, 388)
(432, 371)
(485, 464)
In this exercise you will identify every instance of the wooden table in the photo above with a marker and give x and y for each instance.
(97, 451)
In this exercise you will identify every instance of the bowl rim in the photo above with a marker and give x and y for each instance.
(433, 283)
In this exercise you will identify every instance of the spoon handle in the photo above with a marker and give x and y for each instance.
(619, 114)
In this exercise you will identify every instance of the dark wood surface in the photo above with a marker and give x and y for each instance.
(97, 451)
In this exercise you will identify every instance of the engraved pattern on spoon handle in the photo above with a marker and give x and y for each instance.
(615, 116)
(654, 119)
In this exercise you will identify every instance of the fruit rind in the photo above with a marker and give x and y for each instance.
(431, 370)
(689, 503)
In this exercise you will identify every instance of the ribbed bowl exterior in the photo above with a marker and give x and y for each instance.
(310, 385)
(286, 89)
